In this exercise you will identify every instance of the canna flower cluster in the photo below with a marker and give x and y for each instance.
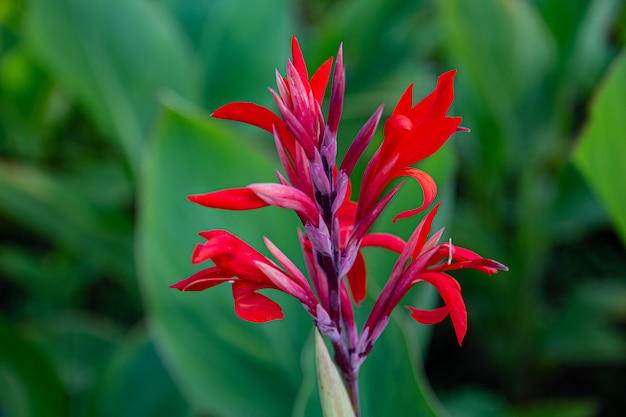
(335, 226)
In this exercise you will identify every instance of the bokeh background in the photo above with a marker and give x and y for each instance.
(105, 128)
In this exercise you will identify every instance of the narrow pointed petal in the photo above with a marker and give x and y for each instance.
(230, 199)
(294, 126)
(347, 315)
(486, 266)
(284, 283)
(335, 107)
(297, 275)
(289, 198)
(362, 139)
(298, 59)
(423, 230)
(464, 258)
(429, 316)
(252, 306)
(368, 220)
(318, 279)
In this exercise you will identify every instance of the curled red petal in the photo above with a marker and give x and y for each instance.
(230, 199)
(429, 188)
(429, 316)
(450, 292)
(384, 240)
(252, 306)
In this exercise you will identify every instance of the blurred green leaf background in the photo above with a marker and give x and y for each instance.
(105, 128)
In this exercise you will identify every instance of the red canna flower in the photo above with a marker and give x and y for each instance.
(412, 133)
(336, 228)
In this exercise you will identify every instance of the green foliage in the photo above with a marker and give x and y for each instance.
(599, 154)
(104, 131)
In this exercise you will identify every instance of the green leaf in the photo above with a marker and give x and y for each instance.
(502, 51)
(580, 33)
(578, 407)
(333, 395)
(235, 49)
(602, 148)
(474, 402)
(59, 208)
(392, 378)
(115, 55)
(79, 347)
(29, 385)
(222, 364)
(136, 364)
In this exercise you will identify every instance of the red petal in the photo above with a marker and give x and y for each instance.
(384, 240)
(361, 141)
(429, 188)
(357, 277)
(296, 274)
(230, 199)
(287, 197)
(298, 60)
(319, 80)
(429, 316)
(450, 291)
(201, 280)
(249, 113)
(397, 124)
(437, 103)
(406, 102)
(252, 306)
(234, 256)
(423, 229)
(470, 259)
(421, 141)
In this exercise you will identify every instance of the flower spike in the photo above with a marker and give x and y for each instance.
(336, 227)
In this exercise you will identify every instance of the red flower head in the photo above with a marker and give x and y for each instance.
(336, 227)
